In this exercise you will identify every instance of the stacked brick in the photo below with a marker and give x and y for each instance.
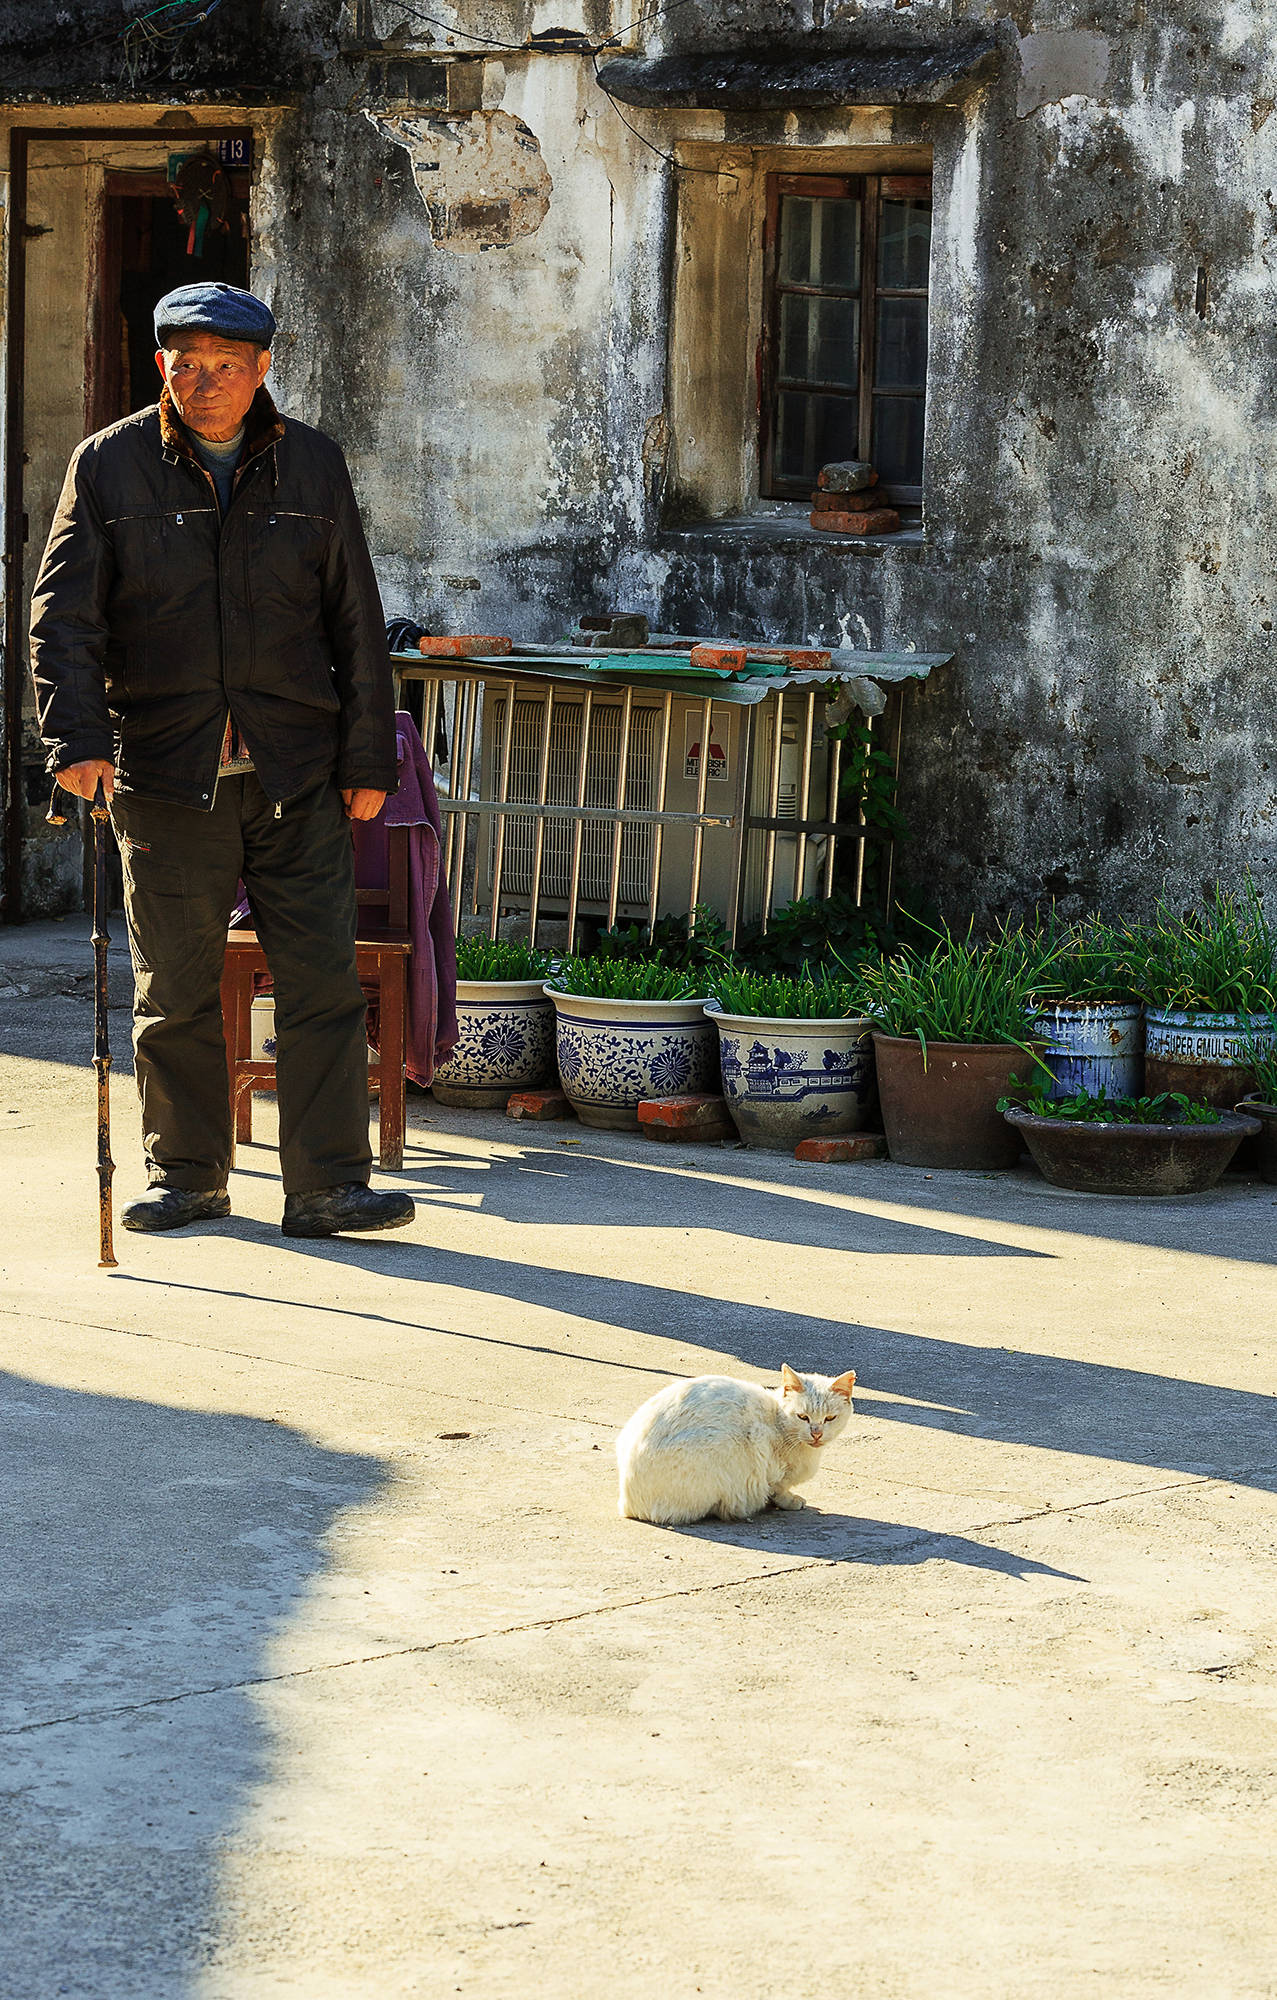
(844, 502)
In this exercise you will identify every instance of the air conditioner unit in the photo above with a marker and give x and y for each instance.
(518, 782)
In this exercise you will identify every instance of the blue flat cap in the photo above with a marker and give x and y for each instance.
(223, 309)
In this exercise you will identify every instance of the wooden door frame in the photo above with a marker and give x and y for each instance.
(21, 138)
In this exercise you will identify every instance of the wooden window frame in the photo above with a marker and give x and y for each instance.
(871, 189)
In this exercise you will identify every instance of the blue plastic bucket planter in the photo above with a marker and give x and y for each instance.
(1204, 1055)
(505, 1042)
(787, 1079)
(1094, 1047)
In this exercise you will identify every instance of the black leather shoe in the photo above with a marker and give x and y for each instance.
(173, 1208)
(332, 1210)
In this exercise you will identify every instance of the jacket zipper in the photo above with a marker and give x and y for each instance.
(240, 470)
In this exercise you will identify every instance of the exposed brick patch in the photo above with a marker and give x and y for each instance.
(836, 1152)
(879, 521)
(538, 1104)
(693, 1117)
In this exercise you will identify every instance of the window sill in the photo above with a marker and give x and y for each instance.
(787, 527)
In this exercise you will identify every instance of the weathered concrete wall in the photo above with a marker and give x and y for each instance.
(1098, 540)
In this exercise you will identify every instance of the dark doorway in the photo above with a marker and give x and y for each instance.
(146, 249)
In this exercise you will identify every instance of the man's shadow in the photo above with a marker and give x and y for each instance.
(150, 1558)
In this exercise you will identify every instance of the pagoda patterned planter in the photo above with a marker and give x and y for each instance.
(505, 1043)
(614, 1053)
(786, 1079)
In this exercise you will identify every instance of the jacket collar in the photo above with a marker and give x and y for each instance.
(263, 427)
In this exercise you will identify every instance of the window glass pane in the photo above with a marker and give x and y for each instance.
(902, 343)
(897, 439)
(819, 339)
(820, 242)
(904, 243)
(811, 431)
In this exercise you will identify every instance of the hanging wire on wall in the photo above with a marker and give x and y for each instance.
(594, 50)
(157, 28)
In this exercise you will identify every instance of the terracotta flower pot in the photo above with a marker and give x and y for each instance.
(942, 1110)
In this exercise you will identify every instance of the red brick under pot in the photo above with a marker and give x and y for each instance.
(944, 1112)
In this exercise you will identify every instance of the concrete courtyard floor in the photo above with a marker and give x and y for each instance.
(331, 1672)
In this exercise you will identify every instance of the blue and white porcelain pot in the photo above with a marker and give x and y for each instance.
(786, 1079)
(505, 1043)
(614, 1053)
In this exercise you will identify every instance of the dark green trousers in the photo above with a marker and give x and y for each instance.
(180, 871)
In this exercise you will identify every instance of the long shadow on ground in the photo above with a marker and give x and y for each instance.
(149, 1557)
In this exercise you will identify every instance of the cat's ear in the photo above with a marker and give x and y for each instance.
(790, 1383)
(842, 1385)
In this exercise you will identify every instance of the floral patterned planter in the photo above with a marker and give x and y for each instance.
(786, 1080)
(614, 1053)
(505, 1043)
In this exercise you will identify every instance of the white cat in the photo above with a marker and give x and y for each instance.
(718, 1446)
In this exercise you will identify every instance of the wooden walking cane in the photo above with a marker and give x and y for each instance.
(56, 816)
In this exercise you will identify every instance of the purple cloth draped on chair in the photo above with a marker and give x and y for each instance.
(432, 969)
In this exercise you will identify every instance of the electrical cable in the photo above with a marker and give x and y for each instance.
(594, 51)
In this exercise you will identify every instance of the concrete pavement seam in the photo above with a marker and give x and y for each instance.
(573, 1617)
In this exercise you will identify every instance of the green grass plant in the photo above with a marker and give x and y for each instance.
(966, 989)
(1218, 959)
(1169, 1107)
(805, 996)
(628, 979)
(1087, 962)
(497, 958)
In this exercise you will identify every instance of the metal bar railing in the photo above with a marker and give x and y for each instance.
(622, 773)
(698, 832)
(773, 795)
(634, 815)
(860, 822)
(467, 788)
(658, 835)
(835, 778)
(498, 858)
(583, 762)
(538, 838)
(889, 871)
(740, 840)
(804, 796)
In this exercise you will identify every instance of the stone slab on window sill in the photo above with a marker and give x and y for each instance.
(755, 529)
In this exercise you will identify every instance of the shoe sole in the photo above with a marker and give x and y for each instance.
(347, 1228)
(149, 1228)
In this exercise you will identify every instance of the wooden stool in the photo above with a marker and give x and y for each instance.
(382, 952)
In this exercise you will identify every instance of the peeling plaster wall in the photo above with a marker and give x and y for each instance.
(1099, 537)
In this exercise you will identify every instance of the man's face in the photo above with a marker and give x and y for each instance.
(212, 381)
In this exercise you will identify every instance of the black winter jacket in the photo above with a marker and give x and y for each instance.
(152, 615)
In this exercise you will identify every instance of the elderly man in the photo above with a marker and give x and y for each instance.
(208, 644)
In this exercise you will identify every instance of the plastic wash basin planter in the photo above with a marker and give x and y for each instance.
(1113, 1158)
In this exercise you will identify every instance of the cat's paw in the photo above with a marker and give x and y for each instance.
(791, 1502)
